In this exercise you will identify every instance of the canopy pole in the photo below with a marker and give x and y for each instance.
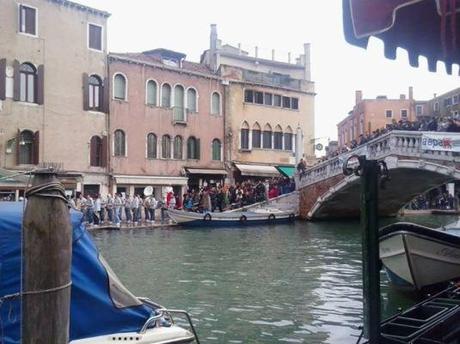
(47, 253)
(370, 248)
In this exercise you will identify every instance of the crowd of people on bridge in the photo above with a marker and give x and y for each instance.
(137, 209)
(444, 201)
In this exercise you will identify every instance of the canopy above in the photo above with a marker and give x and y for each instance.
(206, 171)
(287, 171)
(258, 170)
(422, 27)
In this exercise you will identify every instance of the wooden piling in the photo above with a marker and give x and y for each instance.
(47, 253)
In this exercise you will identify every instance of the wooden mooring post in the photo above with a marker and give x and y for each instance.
(47, 254)
(370, 248)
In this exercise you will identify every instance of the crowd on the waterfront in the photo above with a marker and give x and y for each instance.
(136, 209)
(444, 201)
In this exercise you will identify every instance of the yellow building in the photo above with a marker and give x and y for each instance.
(53, 86)
(269, 109)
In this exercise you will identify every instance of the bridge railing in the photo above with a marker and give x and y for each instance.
(397, 142)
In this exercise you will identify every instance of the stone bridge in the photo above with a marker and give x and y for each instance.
(324, 192)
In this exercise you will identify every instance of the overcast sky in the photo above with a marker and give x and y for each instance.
(338, 69)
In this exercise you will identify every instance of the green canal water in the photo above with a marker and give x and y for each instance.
(291, 283)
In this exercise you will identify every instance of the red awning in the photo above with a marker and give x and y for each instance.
(422, 27)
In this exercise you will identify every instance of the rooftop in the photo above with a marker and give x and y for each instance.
(81, 7)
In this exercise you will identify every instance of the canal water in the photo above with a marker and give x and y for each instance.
(290, 283)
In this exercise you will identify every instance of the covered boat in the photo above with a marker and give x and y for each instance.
(227, 218)
(416, 257)
(102, 310)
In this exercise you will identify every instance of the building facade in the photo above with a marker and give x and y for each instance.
(369, 115)
(166, 123)
(444, 105)
(269, 108)
(53, 108)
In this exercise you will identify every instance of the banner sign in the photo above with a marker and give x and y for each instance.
(449, 142)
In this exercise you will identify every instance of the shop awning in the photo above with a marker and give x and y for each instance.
(423, 28)
(287, 171)
(13, 179)
(150, 180)
(206, 171)
(258, 170)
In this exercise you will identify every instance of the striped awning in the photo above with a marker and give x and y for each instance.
(206, 171)
(258, 170)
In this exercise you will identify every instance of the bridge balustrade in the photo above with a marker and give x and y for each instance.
(405, 144)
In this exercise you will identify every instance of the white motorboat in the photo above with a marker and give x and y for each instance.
(253, 216)
(416, 257)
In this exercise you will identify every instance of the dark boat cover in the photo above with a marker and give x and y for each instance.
(100, 304)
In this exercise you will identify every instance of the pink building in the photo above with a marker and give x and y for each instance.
(166, 123)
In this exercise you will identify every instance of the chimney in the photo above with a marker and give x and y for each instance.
(239, 48)
(402, 97)
(256, 52)
(307, 71)
(289, 57)
(273, 54)
(411, 93)
(213, 48)
(358, 97)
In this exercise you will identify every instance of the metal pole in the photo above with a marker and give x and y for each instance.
(370, 248)
(47, 253)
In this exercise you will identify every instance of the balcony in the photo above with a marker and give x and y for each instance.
(277, 80)
(179, 116)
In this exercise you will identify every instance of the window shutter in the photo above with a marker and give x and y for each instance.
(105, 96)
(17, 85)
(36, 150)
(85, 82)
(18, 138)
(40, 95)
(104, 151)
(198, 149)
(93, 151)
(2, 79)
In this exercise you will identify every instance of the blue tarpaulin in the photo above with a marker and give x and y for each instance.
(99, 303)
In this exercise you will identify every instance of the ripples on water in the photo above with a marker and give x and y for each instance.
(296, 283)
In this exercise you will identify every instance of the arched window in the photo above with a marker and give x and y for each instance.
(151, 146)
(27, 83)
(216, 150)
(95, 93)
(119, 87)
(288, 139)
(119, 143)
(193, 148)
(151, 93)
(179, 110)
(95, 154)
(215, 104)
(177, 147)
(166, 147)
(191, 100)
(256, 133)
(278, 138)
(166, 95)
(26, 147)
(267, 136)
(244, 136)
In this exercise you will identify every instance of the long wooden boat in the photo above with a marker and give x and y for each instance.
(416, 257)
(250, 217)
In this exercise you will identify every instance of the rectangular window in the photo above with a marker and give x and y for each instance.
(278, 140)
(286, 102)
(268, 99)
(256, 139)
(259, 97)
(295, 103)
(436, 106)
(249, 96)
(95, 37)
(288, 141)
(277, 100)
(419, 110)
(388, 113)
(404, 114)
(244, 138)
(27, 20)
(455, 100)
(267, 139)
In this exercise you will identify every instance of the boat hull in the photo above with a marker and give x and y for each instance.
(416, 257)
(191, 219)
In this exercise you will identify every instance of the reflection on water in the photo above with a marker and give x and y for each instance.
(294, 283)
